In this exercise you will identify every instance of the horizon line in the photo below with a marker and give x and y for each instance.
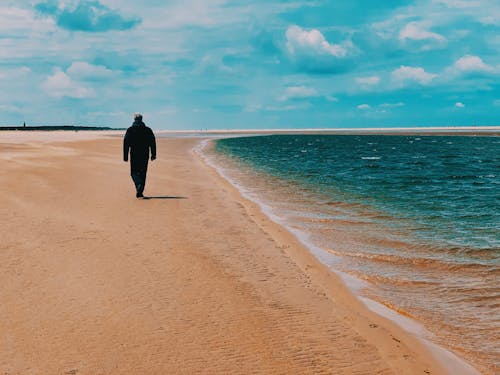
(495, 128)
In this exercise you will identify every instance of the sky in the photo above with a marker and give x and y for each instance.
(262, 64)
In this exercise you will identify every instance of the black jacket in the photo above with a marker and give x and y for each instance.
(139, 139)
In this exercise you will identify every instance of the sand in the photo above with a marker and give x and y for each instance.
(194, 280)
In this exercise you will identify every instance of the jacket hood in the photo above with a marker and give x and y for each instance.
(138, 123)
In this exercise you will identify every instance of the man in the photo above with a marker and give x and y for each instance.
(139, 139)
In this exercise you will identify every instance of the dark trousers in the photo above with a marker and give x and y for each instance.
(139, 178)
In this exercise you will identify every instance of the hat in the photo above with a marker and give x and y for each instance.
(137, 116)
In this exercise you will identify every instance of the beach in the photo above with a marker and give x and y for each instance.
(195, 279)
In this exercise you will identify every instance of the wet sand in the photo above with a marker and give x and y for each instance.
(193, 280)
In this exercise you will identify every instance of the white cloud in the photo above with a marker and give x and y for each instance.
(177, 14)
(407, 73)
(388, 28)
(332, 98)
(22, 34)
(201, 13)
(290, 107)
(416, 31)
(392, 105)
(459, 105)
(380, 108)
(413, 22)
(212, 63)
(368, 81)
(471, 63)
(363, 106)
(492, 16)
(486, 12)
(84, 70)
(298, 92)
(17, 19)
(311, 52)
(61, 85)
(459, 3)
(254, 107)
(14, 73)
(302, 41)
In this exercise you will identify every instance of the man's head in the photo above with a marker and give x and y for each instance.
(137, 116)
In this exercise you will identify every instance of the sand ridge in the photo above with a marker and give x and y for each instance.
(194, 280)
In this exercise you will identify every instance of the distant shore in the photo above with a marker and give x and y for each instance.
(56, 128)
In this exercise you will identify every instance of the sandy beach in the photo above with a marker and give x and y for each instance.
(195, 279)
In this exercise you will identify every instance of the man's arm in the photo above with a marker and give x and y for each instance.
(152, 144)
(126, 145)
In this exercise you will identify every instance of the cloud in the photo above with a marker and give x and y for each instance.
(71, 83)
(416, 31)
(368, 81)
(14, 19)
(253, 107)
(491, 19)
(486, 12)
(461, 4)
(289, 107)
(23, 34)
(392, 105)
(298, 92)
(199, 13)
(402, 31)
(212, 63)
(312, 52)
(85, 15)
(86, 71)
(459, 105)
(406, 74)
(14, 73)
(300, 40)
(469, 63)
(471, 70)
(388, 28)
(60, 85)
(381, 108)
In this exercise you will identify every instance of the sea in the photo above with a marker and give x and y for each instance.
(414, 220)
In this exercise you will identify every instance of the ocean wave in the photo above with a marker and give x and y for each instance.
(424, 262)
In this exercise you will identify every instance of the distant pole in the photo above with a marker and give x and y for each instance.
(24, 124)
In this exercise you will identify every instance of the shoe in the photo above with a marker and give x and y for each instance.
(139, 195)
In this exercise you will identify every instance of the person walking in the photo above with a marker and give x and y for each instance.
(138, 140)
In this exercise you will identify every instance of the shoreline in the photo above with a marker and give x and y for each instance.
(195, 278)
(450, 361)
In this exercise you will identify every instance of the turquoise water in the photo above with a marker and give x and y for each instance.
(446, 189)
(416, 217)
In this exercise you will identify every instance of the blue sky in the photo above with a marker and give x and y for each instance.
(218, 64)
